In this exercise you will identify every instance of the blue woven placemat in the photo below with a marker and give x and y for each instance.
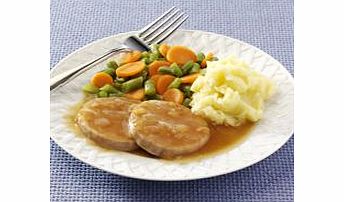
(265, 24)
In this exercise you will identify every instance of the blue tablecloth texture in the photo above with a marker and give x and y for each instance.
(266, 24)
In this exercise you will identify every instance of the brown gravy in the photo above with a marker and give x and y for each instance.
(223, 138)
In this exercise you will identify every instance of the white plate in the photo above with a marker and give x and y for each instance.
(268, 136)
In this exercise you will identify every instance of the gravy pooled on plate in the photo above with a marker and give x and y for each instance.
(221, 137)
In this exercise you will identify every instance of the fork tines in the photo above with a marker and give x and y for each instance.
(163, 26)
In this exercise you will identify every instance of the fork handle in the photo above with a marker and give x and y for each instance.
(65, 77)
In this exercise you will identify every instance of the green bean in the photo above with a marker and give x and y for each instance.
(166, 70)
(187, 91)
(90, 88)
(155, 50)
(195, 69)
(150, 88)
(117, 94)
(153, 56)
(109, 89)
(145, 60)
(172, 70)
(117, 85)
(176, 70)
(102, 94)
(175, 83)
(200, 57)
(132, 84)
(144, 74)
(187, 67)
(109, 71)
(112, 64)
(186, 102)
(144, 54)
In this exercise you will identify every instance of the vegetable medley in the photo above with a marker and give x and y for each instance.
(164, 73)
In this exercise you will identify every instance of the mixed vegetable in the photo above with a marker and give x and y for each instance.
(164, 73)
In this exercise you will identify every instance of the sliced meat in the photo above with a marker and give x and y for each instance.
(167, 129)
(105, 121)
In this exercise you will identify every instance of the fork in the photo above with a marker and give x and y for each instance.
(155, 32)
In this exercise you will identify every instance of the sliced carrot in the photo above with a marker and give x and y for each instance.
(130, 69)
(154, 66)
(100, 79)
(163, 82)
(131, 57)
(190, 78)
(174, 95)
(163, 49)
(204, 64)
(209, 56)
(155, 78)
(180, 55)
(138, 94)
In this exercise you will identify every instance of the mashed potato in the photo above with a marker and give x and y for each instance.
(230, 92)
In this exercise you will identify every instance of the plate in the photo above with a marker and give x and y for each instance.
(269, 134)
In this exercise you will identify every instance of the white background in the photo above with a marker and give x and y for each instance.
(319, 93)
(24, 102)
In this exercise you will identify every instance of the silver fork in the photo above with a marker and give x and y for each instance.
(155, 32)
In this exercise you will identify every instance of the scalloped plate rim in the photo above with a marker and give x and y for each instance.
(277, 147)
